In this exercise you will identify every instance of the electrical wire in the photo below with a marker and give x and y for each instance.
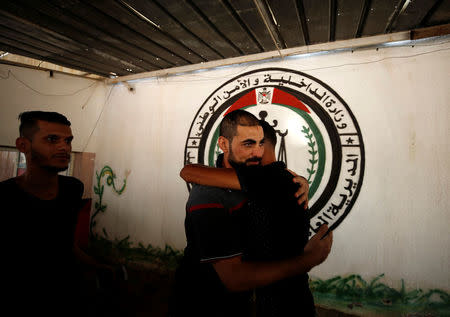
(41, 93)
(89, 98)
(376, 61)
(99, 116)
(229, 76)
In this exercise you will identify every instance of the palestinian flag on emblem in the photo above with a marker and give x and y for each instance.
(279, 97)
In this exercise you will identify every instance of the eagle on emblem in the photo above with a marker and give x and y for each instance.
(264, 96)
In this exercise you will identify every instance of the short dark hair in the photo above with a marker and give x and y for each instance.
(228, 126)
(269, 132)
(28, 121)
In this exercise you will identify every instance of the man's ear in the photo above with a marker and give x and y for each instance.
(224, 144)
(23, 144)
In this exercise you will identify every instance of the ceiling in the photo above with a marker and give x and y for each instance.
(121, 37)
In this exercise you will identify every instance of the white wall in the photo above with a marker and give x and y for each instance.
(24, 89)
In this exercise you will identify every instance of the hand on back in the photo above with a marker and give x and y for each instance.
(303, 190)
(318, 247)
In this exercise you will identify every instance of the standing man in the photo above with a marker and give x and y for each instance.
(40, 210)
(213, 279)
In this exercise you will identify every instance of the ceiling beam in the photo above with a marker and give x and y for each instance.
(365, 42)
(332, 23)
(363, 18)
(438, 30)
(271, 27)
(393, 18)
(205, 18)
(244, 26)
(54, 68)
(302, 17)
(427, 16)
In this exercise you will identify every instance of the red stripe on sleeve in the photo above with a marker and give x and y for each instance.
(238, 206)
(205, 206)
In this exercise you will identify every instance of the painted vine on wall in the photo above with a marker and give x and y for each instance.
(123, 249)
(99, 207)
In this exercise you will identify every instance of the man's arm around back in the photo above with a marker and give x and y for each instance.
(238, 275)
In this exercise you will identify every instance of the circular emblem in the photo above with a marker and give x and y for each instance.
(318, 135)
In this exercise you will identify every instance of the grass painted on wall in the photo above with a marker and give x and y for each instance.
(353, 294)
(122, 250)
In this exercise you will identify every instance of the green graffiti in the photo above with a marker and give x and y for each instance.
(311, 151)
(353, 293)
(122, 250)
(99, 206)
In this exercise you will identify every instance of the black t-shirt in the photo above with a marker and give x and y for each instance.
(38, 238)
(277, 228)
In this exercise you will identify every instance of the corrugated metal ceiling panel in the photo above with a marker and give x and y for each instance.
(122, 37)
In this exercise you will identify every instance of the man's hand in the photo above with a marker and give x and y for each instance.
(318, 247)
(303, 190)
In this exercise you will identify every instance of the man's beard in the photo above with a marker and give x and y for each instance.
(236, 164)
(40, 159)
